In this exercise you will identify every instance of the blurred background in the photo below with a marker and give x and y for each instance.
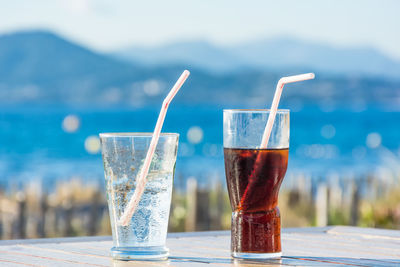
(72, 69)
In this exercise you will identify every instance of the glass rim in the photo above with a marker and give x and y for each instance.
(280, 111)
(136, 134)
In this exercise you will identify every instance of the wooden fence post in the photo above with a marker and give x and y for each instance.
(68, 209)
(42, 215)
(21, 223)
(202, 210)
(191, 204)
(321, 203)
(355, 203)
(94, 214)
(217, 208)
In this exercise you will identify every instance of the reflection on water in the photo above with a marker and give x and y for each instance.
(62, 143)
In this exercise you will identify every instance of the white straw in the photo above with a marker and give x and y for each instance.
(275, 103)
(141, 181)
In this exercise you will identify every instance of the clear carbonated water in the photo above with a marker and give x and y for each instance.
(123, 155)
(149, 224)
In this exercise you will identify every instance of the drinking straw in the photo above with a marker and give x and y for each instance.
(277, 96)
(141, 182)
(268, 128)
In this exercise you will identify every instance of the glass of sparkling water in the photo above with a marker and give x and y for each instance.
(123, 156)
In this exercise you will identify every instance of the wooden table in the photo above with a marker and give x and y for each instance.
(327, 246)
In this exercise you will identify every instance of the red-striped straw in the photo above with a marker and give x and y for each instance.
(141, 182)
(270, 123)
(275, 103)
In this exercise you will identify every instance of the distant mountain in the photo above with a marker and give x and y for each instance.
(197, 54)
(271, 54)
(42, 68)
(284, 53)
(42, 55)
(42, 65)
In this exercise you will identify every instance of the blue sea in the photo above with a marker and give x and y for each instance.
(34, 144)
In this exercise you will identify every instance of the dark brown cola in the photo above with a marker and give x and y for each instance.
(254, 177)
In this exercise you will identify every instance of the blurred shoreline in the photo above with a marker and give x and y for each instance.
(79, 208)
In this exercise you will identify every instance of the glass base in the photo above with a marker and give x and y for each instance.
(241, 255)
(140, 253)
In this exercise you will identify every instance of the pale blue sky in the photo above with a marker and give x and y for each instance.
(106, 25)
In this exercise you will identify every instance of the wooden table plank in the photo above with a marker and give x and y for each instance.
(49, 257)
(326, 246)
